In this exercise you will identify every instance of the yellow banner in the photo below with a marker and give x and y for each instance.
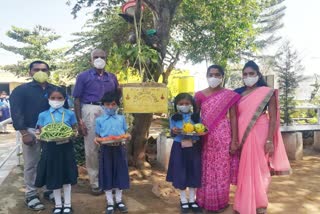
(142, 98)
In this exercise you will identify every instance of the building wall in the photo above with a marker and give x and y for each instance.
(13, 85)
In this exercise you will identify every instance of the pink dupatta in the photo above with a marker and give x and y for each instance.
(253, 104)
(215, 106)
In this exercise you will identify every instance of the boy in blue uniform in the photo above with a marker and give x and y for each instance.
(113, 162)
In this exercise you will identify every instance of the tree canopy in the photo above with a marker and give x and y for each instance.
(34, 46)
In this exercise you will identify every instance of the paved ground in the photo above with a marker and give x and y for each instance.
(7, 144)
(298, 193)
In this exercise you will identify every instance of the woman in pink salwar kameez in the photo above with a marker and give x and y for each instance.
(219, 167)
(262, 149)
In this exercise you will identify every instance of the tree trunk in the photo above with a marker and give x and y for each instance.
(140, 132)
(163, 12)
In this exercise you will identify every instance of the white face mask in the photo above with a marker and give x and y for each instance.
(214, 82)
(184, 109)
(56, 103)
(251, 81)
(99, 63)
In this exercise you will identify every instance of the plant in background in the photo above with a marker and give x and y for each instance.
(36, 47)
(289, 70)
(315, 96)
(78, 144)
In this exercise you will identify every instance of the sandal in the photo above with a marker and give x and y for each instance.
(195, 207)
(57, 210)
(67, 210)
(110, 209)
(34, 203)
(184, 207)
(122, 207)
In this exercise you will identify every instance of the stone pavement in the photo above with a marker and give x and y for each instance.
(7, 144)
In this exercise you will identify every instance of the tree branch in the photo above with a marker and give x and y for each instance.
(171, 66)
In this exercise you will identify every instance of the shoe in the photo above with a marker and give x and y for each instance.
(110, 209)
(122, 207)
(195, 207)
(96, 191)
(57, 210)
(184, 207)
(67, 210)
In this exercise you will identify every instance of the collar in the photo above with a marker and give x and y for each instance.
(60, 110)
(187, 116)
(94, 72)
(107, 116)
(36, 84)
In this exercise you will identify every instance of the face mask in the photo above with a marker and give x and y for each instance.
(184, 109)
(214, 82)
(56, 103)
(110, 111)
(99, 63)
(41, 77)
(251, 81)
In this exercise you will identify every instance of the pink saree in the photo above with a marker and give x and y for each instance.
(219, 169)
(256, 167)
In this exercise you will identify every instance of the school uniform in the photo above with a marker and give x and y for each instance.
(113, 162)
(57, 165)
(184, 168)
(5, 109)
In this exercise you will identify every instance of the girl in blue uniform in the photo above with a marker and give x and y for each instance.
(113, 163)
(185, 159)
(4, 110)
(57, 167)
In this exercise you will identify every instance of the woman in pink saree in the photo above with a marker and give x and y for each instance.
(219, 167)
(262, 151)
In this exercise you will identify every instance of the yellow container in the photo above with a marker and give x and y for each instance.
(186, 84)
(145, 98)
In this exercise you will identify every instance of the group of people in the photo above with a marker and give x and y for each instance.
(243, 145)
(52, 165)
(4, 110)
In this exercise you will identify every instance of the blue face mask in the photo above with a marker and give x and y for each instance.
(110, 111)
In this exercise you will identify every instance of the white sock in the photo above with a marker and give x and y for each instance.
(109, 197)
(67, 196)
(192, 195)
(183, 197)
(57, 197)
(118, 195)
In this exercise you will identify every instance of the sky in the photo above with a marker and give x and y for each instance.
(301, 27)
